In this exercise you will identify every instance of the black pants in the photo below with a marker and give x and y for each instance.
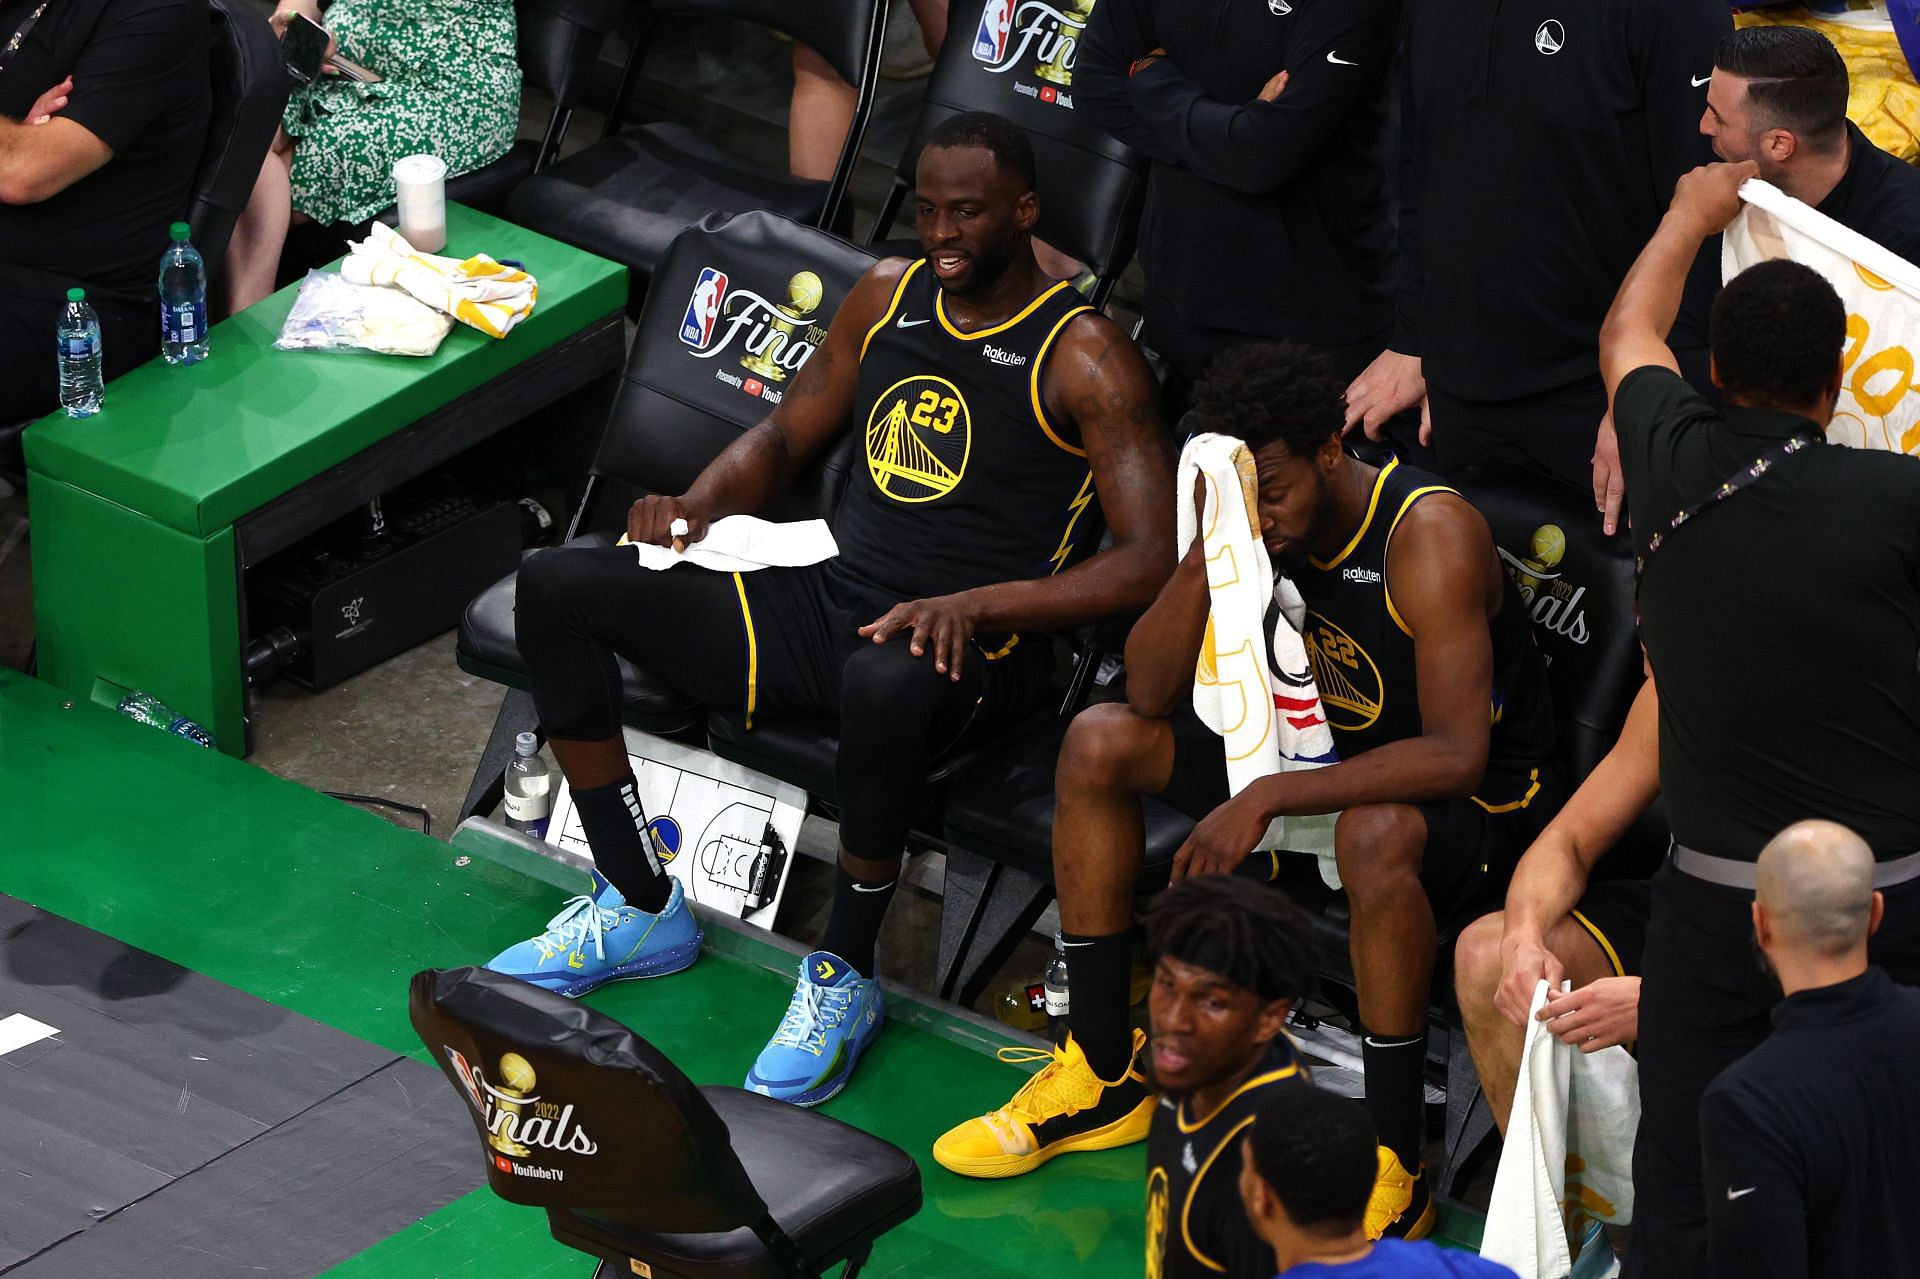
(29, 372)
(1552, 432)
(1704, 1004)
(774, 642)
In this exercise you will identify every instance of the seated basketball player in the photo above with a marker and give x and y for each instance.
(1232, 959)
(1438, 702)
(1559, 928)
(994, 407)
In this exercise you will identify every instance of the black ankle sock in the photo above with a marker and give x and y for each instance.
(616, 828)
(853, 925)
(1396, 1092)
(1099, 974)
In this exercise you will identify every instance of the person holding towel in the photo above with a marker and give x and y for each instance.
(1437, 698)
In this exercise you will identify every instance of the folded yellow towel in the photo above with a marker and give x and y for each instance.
(478, 291)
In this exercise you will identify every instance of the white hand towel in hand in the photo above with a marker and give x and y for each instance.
(1269, 722)
(743, 543)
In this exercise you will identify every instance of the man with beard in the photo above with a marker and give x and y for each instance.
(993, 407)
(1231, 960)
(1438, 703)
(1808, 1138)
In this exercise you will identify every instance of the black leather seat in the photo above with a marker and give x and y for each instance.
(249, 91)
(681, 401)
(656, 1176)
(627, 197)
(1091, 187)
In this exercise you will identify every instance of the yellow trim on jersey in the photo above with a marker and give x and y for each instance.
(940, 311)
(753, 647)
(1033, 380)
(1186, 1209)
(899, 290)
(1081, 501)
(1593, 930)
(1258, 1081)
(1386, 585)
(1379, 482)
(1514, 805)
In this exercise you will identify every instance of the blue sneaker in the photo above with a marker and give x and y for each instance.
(833, 1015)
(597, 938)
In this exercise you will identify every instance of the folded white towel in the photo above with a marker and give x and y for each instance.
(743, 543)
(476, 291)
(1268, 716)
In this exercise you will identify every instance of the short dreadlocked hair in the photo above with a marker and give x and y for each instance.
(1239, 928)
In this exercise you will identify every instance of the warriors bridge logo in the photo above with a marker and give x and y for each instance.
(1036, 34)
(919, 436)
(775, 339)
(1349, 682)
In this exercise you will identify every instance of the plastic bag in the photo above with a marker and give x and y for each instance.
(332, 314)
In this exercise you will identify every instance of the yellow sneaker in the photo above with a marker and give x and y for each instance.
(1402, 1203)
(1064, 1107)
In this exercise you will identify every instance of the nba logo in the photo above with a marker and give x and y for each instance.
(703, 308)
(996, 21)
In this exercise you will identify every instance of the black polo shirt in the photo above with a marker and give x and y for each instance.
(1263, 218)
(1783, 624)
(1540, 148)
(1809, 1140)
(140, 85)
(1878, 196)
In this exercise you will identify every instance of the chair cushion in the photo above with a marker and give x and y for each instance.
(1001, 806)
(485, 647)
(829, 1186)
(800, 749)
(487, 187)
(626, 197)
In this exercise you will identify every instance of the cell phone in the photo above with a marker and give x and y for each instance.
(304, 51)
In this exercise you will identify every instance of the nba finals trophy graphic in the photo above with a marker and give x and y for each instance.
(1543, 556)
(1058, 69)
(804, 292)
(517, 1081)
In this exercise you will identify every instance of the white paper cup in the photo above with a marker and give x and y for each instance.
(420, 183)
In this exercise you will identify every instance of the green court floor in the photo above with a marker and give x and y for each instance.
(323, 909)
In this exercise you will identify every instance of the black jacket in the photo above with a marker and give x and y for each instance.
(1262, 218)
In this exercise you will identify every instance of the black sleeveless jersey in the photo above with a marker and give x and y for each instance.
(960, 479)
(1362, 653)
(1196, 1227)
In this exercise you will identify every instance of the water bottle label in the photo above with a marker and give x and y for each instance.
(1056, 1002)
(80, 348)
(529, 808)
(184, 323)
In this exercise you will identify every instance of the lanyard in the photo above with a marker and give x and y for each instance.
(7, 50)
(1741, 479)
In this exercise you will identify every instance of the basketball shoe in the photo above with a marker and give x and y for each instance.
(597, 938)
(1064, 1107)
(833, 1017)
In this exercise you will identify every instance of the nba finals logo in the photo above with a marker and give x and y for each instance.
(775, 338)
(516, 1119)
(1552, 603)
(1049, 34)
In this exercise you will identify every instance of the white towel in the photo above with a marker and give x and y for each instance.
(1568, 1156)
(1234, 688)
(1879, 404)
(743, 543)
(477, 291)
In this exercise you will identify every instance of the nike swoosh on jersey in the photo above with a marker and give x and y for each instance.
(1339, 61)
(1700, 80)
(904, 323)
(1733, 1194)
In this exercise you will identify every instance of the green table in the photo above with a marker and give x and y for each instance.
(145, 515)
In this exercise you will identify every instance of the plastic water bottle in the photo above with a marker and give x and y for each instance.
(1056, 992)
(183, 300)
(148, 709)
(529, 788)
(81, 386)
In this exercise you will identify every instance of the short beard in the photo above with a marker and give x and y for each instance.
(988, 268)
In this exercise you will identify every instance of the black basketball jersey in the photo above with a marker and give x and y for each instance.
(1362, 652)
(961, 478)
(1196, 1226)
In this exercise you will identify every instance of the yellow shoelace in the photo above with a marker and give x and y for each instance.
(1055, 1090)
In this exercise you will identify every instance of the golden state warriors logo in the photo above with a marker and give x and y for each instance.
(1158, 1207)
(918, 438)
(1350, 687)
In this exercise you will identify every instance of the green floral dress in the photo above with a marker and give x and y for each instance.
(451, 89)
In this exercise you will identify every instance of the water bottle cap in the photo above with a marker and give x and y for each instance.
(526, 744)
(76, 295)
(180, 230)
